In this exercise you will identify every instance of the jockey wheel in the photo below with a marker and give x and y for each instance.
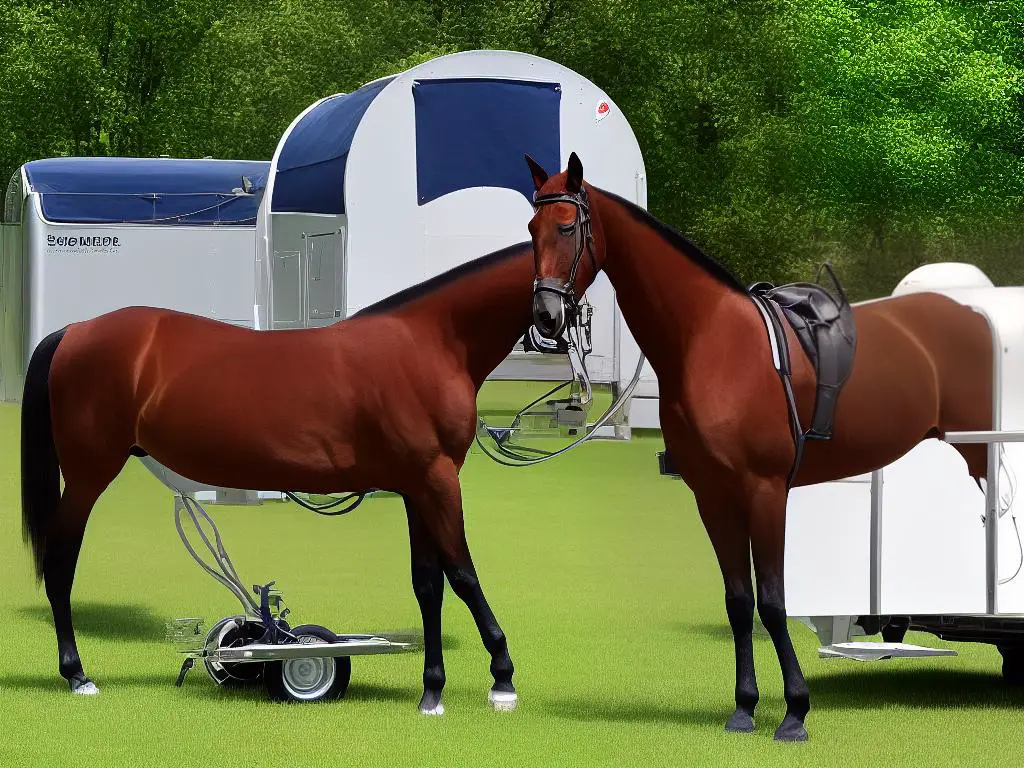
(316, 678)
(230, 633)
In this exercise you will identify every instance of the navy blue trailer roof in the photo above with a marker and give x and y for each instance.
(167, 191)
(470, 132)
(310, 175)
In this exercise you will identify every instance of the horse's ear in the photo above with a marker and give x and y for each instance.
(574, 176)
(539, 174)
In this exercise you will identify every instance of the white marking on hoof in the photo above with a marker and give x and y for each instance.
(503, 701)
(87, 689)
(437, 710)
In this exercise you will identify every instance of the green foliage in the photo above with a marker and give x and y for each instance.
(48, 85)
(879, 134)
(262, 63)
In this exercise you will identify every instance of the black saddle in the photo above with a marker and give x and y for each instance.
(825, 326)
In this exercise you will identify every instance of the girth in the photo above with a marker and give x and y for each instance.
(827, 332)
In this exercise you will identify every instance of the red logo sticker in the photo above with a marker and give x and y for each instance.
(603, 108)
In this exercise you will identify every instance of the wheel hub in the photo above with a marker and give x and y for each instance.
(308, 678)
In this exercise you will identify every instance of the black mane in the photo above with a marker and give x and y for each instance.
(677, 240)
(445, 278)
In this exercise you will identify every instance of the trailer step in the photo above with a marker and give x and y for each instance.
(868, 651)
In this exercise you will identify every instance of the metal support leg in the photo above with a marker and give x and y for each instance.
(875, 595)
(992, 530)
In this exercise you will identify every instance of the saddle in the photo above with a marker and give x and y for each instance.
(825, 327)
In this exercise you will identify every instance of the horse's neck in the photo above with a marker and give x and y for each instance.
(481, 316)
(664, 295)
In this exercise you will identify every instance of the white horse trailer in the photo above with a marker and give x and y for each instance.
(918, 544)
(82, 236)
(87, 235)
(373, 191)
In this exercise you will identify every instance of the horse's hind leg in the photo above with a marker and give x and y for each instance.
(428, 586)
(63, 543)
(767, 514)
(441, 507)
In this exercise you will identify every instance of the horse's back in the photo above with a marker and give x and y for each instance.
(923, 366)
(297, 406)
(114, 351)
(955, 339)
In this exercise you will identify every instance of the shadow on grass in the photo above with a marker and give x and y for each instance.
(714, 630)
(451, 642)
(357, 692)
(876, 689)
(913, 688)
(105, 620)
(56, 684)
(198, 685)
(625, 711)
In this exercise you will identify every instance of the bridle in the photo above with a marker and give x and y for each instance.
(506, 451)
(583, 237)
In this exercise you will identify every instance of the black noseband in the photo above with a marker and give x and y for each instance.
(552, 307)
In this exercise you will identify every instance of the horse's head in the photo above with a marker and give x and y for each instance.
(562, 234)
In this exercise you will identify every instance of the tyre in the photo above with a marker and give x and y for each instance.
(316, 678)
(894, 631)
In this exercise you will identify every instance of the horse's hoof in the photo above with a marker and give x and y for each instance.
(503, 701)
(740, 722)
(791, 729)
(83, 686)
(431, 704)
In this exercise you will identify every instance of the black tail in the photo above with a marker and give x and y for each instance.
(40, 470)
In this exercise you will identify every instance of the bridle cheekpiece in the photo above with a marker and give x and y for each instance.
(584, 241)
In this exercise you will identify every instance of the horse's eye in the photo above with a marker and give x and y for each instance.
(567, 229)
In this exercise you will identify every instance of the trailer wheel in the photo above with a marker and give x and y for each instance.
(1013, 664)
(317, 678)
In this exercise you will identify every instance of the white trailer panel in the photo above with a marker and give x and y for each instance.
(917, 538)
(85, 235)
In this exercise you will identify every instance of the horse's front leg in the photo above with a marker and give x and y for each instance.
(441, 505)
(727, 530)
(428, 586)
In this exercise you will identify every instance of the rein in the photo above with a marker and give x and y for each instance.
(582, 233)
(510, 458)
(321, 509)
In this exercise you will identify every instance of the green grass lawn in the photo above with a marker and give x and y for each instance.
(599, 571)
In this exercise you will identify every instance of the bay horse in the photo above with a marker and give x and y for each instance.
(922, 366)
(385, 399)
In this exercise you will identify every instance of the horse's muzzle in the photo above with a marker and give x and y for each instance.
(548, 312)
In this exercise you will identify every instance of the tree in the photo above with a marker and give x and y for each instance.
(49, 87)
(262, 63)
(877, 134)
